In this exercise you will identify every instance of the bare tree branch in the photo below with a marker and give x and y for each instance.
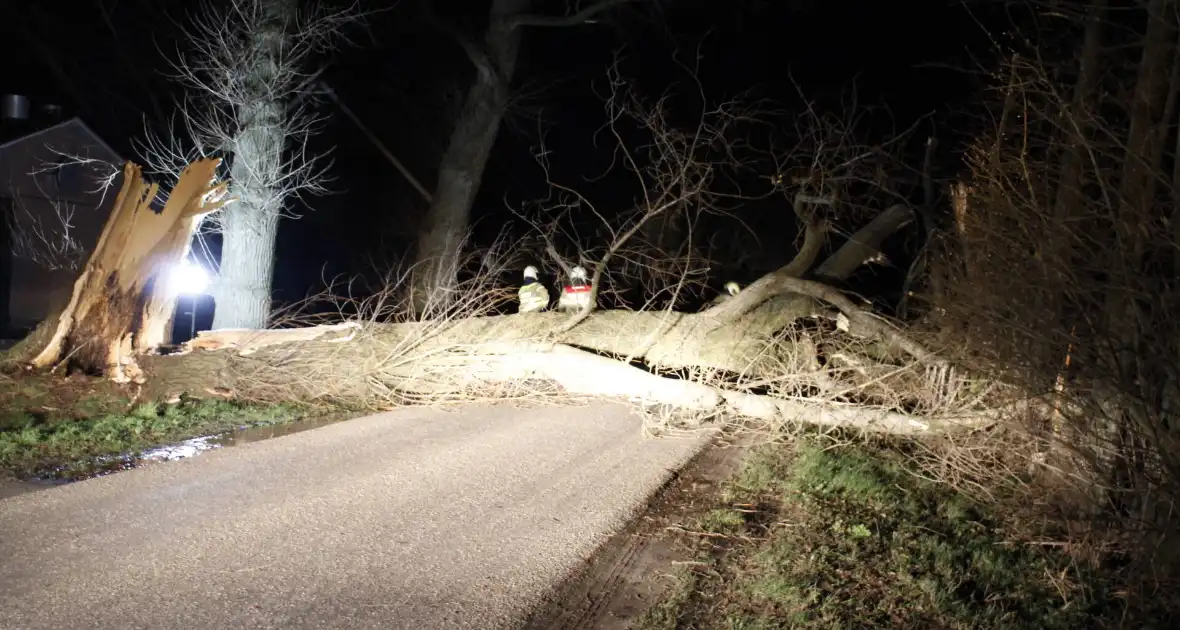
(46, 240)
(49, 239)
(221, 90)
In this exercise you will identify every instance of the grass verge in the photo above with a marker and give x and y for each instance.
(79, 427)
(847, 537)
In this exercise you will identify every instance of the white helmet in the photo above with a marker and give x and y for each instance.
(530, 273)
(578, 273)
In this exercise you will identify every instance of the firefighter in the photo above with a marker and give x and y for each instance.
(575, 295)
(534, 297)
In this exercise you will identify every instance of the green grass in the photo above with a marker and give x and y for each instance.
(848, 538)
(667, 613)
(67, 442)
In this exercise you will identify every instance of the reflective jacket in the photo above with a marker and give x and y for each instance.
(574, 297)
(533, 297)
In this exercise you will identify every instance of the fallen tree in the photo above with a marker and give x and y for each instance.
(787, 348)
(731, 359)
(750, 356)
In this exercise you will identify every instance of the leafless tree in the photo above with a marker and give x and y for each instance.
(245, 70)
(448, 218)
(1063, 273)
(712, 173)
(674, 175)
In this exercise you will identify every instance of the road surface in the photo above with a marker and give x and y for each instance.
(410, 519)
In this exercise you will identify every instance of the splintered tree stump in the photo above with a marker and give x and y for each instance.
(122, 300)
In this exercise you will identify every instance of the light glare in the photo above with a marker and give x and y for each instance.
(188, 278)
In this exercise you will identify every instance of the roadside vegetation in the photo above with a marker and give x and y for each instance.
(852, 536)
(79, 427)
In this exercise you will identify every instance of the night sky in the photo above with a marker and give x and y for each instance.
(105, 60)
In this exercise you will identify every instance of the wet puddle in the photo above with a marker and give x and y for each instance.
(105, 465)
(237, 437)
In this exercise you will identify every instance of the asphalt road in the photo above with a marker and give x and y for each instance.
(411, 519)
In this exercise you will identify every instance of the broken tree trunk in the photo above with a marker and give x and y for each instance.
(751, 356)
(122, 300)
(482, 357)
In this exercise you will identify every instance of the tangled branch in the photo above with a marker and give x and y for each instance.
(248, 87)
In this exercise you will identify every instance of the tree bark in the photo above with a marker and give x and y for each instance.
(865, 244)
(478, 357)
(242, 293)
(242, 296)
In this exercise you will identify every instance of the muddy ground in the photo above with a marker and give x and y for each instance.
(631, 572)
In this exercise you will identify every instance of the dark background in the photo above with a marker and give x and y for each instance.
(107, 61)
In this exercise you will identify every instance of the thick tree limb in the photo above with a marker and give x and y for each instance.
(863, 323)
(858, 317)
(814, 236)
(865, 243)
(582, 373)
(247, 341)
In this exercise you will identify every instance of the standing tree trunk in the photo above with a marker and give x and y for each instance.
(445, 226)
(242, 295)
(245, 75)
(1082, 108)
(1141, 166)
(250, 227)
(1137, 185)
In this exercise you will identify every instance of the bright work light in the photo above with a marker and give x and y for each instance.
(188, 278)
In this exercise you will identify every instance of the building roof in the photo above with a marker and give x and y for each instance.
(75, 122)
